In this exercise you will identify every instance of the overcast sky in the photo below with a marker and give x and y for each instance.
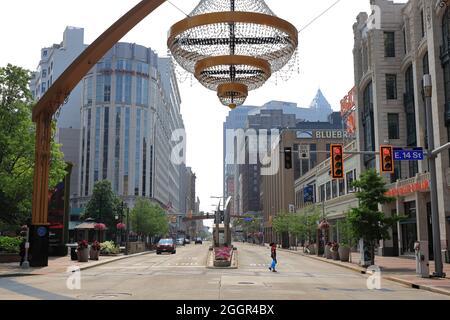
(325, 60)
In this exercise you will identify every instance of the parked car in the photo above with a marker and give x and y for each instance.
(180, 241)
(166, 245)
(198, 241)
(187, 241)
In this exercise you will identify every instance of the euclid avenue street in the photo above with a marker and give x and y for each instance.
(226, 156)
(185, 276)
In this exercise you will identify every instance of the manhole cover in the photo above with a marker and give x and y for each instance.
(111, 295)
(247, 283)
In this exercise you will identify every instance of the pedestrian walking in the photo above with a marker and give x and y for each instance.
(273, 255)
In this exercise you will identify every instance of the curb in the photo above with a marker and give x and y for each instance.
(389, 278)
(14, 275)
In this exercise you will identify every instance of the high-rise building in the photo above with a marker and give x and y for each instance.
(54, 60)
(410, 40)
(242, 181)
(130, 107)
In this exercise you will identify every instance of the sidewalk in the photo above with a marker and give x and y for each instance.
(398, 269)
(60, 265)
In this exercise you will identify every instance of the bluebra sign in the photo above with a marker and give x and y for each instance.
(324, 134)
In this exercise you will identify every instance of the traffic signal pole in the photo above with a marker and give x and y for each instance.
(439, 273)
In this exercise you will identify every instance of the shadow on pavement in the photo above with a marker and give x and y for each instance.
(26, 290)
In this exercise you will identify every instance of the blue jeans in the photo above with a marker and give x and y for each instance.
(274, 263)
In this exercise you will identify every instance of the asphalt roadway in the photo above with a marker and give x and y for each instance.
(184, 276)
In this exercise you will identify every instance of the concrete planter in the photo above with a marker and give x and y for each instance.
(335, 255)
(222, 263)
(327, 253)
(9, 257)
(93, 254)
(83, 255)
(344, 253)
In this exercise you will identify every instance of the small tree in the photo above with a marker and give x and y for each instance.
(148, 219)
(103, 206)
(281, 224)
(366, 221)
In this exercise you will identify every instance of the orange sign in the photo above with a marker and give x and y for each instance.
(347, 104)
(408, 189)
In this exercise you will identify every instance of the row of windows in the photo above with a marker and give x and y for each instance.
(123, 92)
(337, 188)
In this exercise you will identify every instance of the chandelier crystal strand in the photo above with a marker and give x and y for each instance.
(233, 46)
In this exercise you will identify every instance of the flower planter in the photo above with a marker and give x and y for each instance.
(83, 255)
(9, 257)
(335, 255)
(94, 254)
(327, 253)
(344, 253)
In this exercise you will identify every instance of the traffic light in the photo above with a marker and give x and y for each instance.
(288, 158)
(222, 216)
(387, 159)
(337, 161)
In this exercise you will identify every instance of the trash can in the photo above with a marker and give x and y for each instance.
(73, 251)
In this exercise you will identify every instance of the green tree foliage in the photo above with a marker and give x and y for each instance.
(149, 219)
(305, 223)
(366, 221)
(17, 147)
(104, 205)
(281, 222)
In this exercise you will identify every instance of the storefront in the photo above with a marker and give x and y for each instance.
(408, 229)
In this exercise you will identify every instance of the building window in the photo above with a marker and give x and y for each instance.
(322, 193)
(105, 143)
(389, 44)
(138, 152)
(405, 49)
(88, 91)
(397, 172)
(44, 73)
(97, 143)
(341, 187)
(313, 155)
(117, 149)
(422, 20)
(368, 126)
(119, 88)
(126, 164)
(328, 190)
(43, 87)
(334, 188)
(350, 177)
(391, 86)
(393, 126)
(88, 154)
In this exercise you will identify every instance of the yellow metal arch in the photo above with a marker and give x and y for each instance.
(57, 93)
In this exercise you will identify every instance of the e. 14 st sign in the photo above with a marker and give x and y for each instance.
(408, 155)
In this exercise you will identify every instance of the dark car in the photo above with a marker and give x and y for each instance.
(198, 241)
(166, 245)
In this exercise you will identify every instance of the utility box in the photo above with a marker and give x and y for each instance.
(422, 259)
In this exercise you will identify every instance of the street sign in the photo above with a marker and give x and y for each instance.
(248, 219)
(304, 151)
(415, 154)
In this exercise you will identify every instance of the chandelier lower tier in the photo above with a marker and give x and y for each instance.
(232, 46)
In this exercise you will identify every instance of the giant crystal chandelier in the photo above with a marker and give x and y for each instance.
(232, 46)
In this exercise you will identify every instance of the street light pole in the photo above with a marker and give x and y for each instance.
(128, 231)
(427, 86)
